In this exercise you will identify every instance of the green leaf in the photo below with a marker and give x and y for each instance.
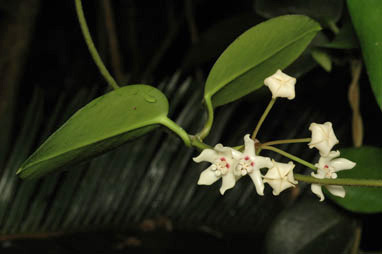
(257, 54)
(369, 166)
(103, 124)
(367, 20)
(325, 11)
(322, 58)
(306, 225)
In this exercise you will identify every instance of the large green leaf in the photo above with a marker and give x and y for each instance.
(369, 166)
(257, 54)
(103, 124)
(366, 16)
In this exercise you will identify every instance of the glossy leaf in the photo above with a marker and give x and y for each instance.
(257, 54)
(325, 11)
(369, 166)
(367, 20)
(103, 124)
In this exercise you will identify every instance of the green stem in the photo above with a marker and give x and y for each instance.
(339, 181)
(199, 144)
(287, 141)
(177, 130)
(290, 156)
(207, 127)
(93, 51)
(262, 118)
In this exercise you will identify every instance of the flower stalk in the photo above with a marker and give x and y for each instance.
(262, 118)
(287, 141)
(339, 181)
(290, 156)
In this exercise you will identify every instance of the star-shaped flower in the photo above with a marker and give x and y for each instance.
(327, 168)
(222, 165)
(280, 177)
(281, 85)
(323, 137)
(249, 163)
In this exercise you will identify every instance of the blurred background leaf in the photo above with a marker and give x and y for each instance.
(311, 227)
(366, 17)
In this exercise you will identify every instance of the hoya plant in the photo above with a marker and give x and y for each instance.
(258, 61)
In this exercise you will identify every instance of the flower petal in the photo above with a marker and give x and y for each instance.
(227, 183)
(223, 150)
(281, 85)
(333, 154)
(257, 181)
(342, 164)
(317, 189)
(249, 146)
(275, 184)
(320, 174)
(208, 177)
(263, 162)
(273, 172)
(336, 190)
(323, 137)
(206, 155)
(236, 154)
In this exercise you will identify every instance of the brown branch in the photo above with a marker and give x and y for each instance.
(353, 95)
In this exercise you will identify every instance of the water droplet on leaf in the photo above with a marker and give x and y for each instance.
(150, 99)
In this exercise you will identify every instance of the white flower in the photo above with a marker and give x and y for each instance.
(327, 168)
(281, 85)
(249, 163)
(280, 177)
(222, 166)
(323, 137)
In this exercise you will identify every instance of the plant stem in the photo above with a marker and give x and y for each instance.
(93, 51)
(290, 156)
(199, 144)
(262, 118)
(287, 141)
(177, 130)
(339, 181)
(207, 127)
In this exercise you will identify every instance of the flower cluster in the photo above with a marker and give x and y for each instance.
(230, 165)
(323, 139)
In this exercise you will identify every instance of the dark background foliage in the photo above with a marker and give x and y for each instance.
(143, 196)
